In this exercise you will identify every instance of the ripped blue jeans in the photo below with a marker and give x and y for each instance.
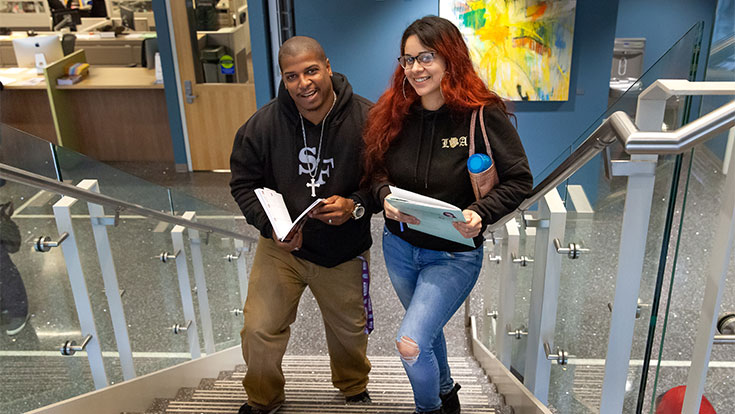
(431, 285)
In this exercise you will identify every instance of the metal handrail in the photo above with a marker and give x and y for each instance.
(678, 141)
(38, 181)
(620, 127)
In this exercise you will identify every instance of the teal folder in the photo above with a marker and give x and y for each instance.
(435, 216)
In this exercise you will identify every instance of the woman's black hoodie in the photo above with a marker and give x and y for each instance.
(429, 157)
(269, 152)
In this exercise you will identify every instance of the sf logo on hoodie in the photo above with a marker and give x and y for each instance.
(309, 165)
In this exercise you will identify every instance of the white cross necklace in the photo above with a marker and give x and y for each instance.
(313, 184)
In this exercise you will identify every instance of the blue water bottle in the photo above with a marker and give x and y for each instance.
(478, 163)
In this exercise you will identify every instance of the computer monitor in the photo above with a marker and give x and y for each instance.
(127, 15)
(26, 49)
(65, 18)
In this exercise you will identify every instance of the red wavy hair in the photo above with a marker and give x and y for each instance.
(462, 88)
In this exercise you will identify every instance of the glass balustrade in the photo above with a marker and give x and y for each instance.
(595, 201)
(157, 309)
(683, 294)
(38, 312)
(587, 291)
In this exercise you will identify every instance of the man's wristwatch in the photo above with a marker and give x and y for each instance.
(358, 211)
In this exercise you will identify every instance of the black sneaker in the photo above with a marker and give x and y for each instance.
(450, 401)
(361, 398)
(246, 409)
(15, 325)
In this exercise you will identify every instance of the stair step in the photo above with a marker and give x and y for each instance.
(309, 389)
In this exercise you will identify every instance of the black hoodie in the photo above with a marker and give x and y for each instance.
(269, 152)
(429, 157)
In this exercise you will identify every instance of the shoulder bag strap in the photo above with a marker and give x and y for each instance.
(473, 119)
(484, 134)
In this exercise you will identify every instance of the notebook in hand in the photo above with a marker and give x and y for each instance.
(435, 216)
(277, 212)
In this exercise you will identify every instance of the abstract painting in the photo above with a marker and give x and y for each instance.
(522, 49)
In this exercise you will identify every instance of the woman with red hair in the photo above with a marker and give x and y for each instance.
(417, 139)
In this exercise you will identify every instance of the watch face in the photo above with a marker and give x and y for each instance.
(358, 212)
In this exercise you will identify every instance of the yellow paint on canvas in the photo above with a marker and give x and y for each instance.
(523, 48)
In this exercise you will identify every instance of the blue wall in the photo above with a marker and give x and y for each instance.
(673, 18)
(663, 22)
(361, 38)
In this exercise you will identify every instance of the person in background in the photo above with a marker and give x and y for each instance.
(13, 297)
(416, 139)
(56, 5)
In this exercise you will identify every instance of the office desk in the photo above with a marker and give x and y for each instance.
(24, 104)
(115, 114)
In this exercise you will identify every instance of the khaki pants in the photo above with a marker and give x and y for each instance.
(277, 281)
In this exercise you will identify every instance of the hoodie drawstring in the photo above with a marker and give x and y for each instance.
(421, 146)
(431, 151)
(418, 153)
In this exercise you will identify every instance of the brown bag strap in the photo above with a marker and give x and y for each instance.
(484, 134)
(473, 119)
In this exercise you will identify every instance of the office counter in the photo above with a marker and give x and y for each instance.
(101, 77)
(24, 104)
(122, 50)
(115, 114)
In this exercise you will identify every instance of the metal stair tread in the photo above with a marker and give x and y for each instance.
(309, 389)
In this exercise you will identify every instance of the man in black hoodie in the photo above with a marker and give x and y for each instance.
(306, 144)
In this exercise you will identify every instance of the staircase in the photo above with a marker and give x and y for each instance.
(309, 390)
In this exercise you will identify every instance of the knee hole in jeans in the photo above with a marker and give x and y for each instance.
(408, 349)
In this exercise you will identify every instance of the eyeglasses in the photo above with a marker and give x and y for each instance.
(424, 58)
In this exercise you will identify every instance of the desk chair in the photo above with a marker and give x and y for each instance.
(68, 41)
(148, 52)
(98, 8)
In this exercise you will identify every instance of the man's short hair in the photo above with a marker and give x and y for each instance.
(298, 45)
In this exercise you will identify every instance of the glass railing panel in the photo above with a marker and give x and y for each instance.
(22, 150)
(75, 167)
(586, 330)
(226, 266)
(225, 263)
(486, 294)
(702, 184)
(587, 289)
(493, 326)
(721, 375)
(151, 298)
(583, 315)
(524, 281)
(34, 373)
(683, 293)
